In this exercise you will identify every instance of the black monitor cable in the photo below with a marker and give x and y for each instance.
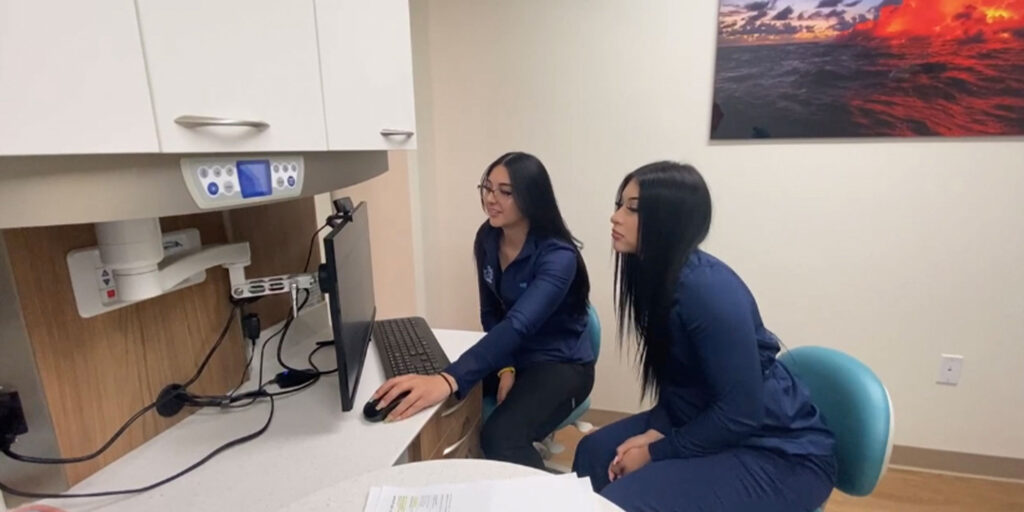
(176, 396)
(5, 444)
(230, 444)
(164, 398)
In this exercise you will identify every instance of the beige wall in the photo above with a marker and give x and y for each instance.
(391, 240)
(893, 251)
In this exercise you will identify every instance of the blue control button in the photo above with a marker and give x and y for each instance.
(291, 181)
(212, 189)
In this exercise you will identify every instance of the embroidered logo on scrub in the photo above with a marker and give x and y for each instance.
(489, 274)
(522, 285)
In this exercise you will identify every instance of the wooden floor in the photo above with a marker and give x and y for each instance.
(900, 491)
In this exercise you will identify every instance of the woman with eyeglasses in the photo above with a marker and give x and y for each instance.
(533, 305)
(732, 430)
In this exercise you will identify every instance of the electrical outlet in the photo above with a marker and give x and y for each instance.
(12, 416)
(949, 369)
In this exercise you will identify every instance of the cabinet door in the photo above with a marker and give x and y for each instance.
(366, 61)
(72, 79)
(234, 75)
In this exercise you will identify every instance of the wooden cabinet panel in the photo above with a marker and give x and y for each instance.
(96, 372)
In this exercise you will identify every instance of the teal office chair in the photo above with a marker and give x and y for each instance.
(549, 446)
(856, 407)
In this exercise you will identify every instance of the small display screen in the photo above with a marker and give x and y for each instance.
(254, 178)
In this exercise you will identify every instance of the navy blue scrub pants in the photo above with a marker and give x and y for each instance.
(740, 479)
(543, 396)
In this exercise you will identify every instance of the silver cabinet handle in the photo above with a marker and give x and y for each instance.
(456, 444)
(199, 121)
(388, 132)
(451, 410)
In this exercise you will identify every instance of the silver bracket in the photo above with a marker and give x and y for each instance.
(288, 283)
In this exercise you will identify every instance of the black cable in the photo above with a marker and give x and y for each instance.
(287, 325)
(313, 365)
(312, 242)
(281, 332)
(230, 444)
(305, 268)
(259, 377)
(280, 346)
(251, 399)
(245, 371)
(127, 424)
(213, 349)
(253, 396)
(294, 390)
(263, 348)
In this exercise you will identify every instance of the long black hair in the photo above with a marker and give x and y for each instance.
(674, 210)
(535, 197)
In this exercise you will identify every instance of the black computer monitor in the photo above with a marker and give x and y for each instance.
(347, 278)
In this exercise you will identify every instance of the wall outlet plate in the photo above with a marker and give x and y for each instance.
(949, 369)
(95, 286)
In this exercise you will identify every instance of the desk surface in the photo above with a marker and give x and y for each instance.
(350, 495)
(309, 446)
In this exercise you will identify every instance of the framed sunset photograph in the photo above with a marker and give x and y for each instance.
(869, 68)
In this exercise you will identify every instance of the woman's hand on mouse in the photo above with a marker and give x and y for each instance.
(424, 391)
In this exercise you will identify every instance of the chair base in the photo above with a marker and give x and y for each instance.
(553, 447)
(556, 468)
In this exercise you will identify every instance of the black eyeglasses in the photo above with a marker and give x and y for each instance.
(500, 193)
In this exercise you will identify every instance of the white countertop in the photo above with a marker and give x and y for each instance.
(309, 446)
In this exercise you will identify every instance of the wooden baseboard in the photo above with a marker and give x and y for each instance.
(601, 417)
(958, 462)
(945, 461)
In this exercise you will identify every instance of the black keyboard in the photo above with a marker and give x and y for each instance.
(407, 345)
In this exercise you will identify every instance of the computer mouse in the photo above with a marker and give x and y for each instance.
(371, 413)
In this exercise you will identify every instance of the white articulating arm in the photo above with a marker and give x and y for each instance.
(175, 269)
(134, 261)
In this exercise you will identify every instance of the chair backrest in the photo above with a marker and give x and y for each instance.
(594, 330)
(857, 409)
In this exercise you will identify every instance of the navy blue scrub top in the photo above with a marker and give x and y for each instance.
(524, 309)
(723, 387)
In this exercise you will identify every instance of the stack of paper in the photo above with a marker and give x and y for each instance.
(535, 494)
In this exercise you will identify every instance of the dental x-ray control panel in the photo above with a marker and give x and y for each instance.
(219, 182)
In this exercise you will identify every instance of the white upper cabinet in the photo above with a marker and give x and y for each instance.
(366, 63)
(234, 75)
(204, 76)
(73, 79)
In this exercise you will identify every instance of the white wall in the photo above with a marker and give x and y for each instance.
(892, 251)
